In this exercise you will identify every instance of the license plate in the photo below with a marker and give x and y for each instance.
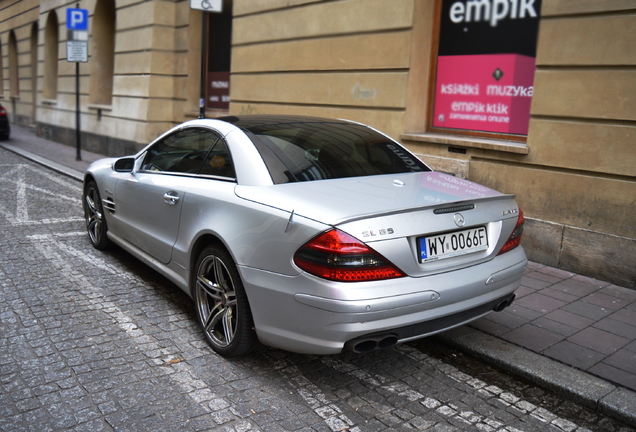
(452, 244)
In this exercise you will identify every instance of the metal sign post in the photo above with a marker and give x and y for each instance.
(205, 6)
(77, 52)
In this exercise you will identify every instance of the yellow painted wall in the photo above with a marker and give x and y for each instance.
(580, 172)
(346, 59)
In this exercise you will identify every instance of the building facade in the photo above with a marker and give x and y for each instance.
(570, 159)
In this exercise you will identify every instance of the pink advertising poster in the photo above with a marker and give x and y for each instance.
(489, 92)
(485, 65)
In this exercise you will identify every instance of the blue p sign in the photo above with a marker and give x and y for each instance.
(77, 19)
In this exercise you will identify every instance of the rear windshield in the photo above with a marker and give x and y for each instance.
(296, 152)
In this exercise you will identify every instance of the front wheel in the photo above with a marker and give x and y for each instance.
(94, 215)
(222, 307)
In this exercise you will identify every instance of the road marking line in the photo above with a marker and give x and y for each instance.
(15, 177)
(22, 213)
(181, 373)
(450, 410)
(332, 415)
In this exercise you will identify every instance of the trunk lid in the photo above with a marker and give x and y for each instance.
(335, 201)
(398, 215)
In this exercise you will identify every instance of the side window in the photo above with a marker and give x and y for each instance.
(219, 162)
(182, 152)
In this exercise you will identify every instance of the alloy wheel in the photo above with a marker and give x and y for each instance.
(216, 300)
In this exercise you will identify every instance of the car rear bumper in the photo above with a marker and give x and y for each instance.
(309, 315)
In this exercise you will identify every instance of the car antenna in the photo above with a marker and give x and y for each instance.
(290, 222)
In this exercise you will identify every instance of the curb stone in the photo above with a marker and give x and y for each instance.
(46, 162)
(567, 381)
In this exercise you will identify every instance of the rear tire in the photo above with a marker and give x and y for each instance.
(94, 215)
(222, 307)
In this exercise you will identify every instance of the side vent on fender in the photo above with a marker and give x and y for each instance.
(109, 204)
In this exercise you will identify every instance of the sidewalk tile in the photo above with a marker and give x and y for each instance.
(626, 316)
(559, 295)
(574, 354)
(613, 374)
(532, 337)
(570, 319)
(631, 347)
(534, 283)
(522, 312)
(626, 294)
(624, 360)
(523, 291)
(599, 340)
(591, 281)
(532, 266)
(540, 303)
(507, 319)
(573, 287)
(552, 271)
(605, 301)
(555, 327)
(490, 327)
(544, 277)
(588, 310)
(618, 328)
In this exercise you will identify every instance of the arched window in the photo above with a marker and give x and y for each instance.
(51, 56)
(14, 80)
(102, 62)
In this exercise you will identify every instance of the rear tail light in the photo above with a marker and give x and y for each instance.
(515, 238)
(337, 256)
(3, 112)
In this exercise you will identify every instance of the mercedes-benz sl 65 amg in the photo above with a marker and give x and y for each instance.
(307, 234)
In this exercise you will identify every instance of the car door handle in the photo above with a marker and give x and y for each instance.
(171, 198)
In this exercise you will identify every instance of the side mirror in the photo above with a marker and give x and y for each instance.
(125, 164)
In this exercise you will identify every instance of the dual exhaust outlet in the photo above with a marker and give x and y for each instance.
(370, 343)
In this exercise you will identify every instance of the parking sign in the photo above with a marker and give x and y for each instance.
(77, 19)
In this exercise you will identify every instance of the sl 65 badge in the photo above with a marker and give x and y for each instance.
(373, 233)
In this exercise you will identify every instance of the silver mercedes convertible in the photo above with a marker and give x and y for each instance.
(307, 234)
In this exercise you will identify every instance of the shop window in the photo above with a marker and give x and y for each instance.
(102, 61)
(14, 80)
(484, 67)
(51, 56)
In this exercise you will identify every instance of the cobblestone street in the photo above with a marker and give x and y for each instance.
(94, 341)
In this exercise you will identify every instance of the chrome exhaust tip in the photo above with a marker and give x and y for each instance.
(367, 344)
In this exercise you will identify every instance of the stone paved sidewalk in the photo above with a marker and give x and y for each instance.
(579, 321)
